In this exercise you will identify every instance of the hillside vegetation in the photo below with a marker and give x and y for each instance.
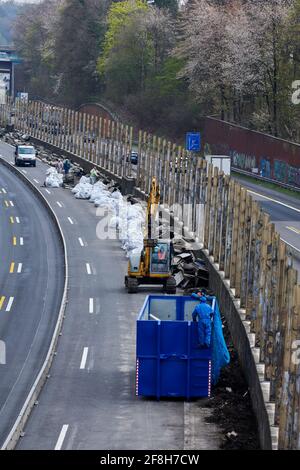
(233, 59)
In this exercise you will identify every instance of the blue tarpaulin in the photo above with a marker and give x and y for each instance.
(220, 353)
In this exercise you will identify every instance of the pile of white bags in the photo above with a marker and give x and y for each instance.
(83, 189)
(53, 178)
(129, 220)
(126, 218)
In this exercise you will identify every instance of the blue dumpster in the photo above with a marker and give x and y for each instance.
(169, 362)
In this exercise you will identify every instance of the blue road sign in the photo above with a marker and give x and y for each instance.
(193, 141)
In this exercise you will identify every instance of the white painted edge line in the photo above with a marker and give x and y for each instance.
(14, 435)
(91, 305)
(19, 270)
(70, 220)
(273, 200)
(84, 358)
(88, 268)
(59, 204)
(80, 241)
(61, 437)
(9, 304)
(292, 246)
(294, 229)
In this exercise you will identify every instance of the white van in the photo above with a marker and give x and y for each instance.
(25, 154)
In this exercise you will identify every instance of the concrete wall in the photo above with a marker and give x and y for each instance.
(244, 342)
(275, 158)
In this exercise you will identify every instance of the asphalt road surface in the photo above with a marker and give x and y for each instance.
(89, 400)
(284, 211)
(31, 280)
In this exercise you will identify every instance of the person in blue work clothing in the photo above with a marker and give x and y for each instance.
(203, 312)
(67, 166)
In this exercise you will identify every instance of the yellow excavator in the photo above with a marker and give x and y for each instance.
(153, 264)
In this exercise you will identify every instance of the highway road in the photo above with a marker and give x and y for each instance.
(89, 400)
(31, 280)
(284, 211)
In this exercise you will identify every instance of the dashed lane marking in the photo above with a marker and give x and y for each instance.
(1, 301)
(61, 437)
(84, 358)
(9, 304)
(88, 268)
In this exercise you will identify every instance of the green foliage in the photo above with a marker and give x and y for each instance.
(118, 17)
(166, 82)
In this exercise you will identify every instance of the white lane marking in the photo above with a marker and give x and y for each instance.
(80, 241)
(4, 191)
(88, 268)
(24, 171)
(17, 220)
(19, 268)
(292, 246)
(274, 200)
(70, 220)
(47, 191)
(11, 203)
(59, 204)
(21, 241)
(61, 437)
(293, 229)
(84, 358)
(9, 304)
(91, 305)
(36, 181)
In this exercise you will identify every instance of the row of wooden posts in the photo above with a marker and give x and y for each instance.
(222, 216)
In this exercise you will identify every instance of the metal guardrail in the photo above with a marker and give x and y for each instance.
(266, 180)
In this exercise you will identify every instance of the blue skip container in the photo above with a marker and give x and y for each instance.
(169, 362)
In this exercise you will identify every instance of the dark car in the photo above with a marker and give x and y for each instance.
(134, 158)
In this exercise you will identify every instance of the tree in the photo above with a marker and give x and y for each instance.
(79, 31)
(137, 42)
(118, 17)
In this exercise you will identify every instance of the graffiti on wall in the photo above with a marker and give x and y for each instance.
(243, 161)
(265, 168)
